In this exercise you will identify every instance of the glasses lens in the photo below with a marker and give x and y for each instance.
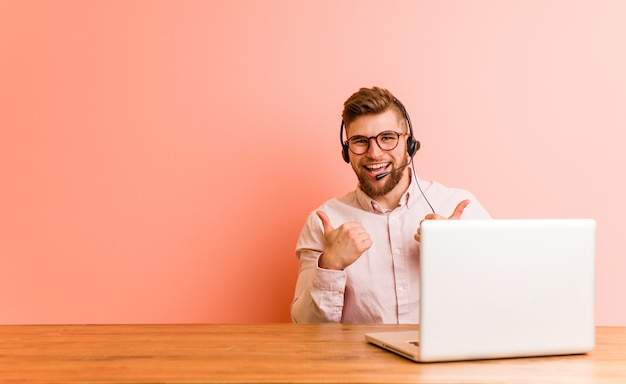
(387, 140)
(359, 144)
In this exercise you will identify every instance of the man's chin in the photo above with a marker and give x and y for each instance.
(377, 188)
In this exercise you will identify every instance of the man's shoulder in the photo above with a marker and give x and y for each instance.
(446, 198)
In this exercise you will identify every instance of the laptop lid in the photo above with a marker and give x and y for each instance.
(504, 288)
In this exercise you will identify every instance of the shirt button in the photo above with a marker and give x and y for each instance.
(401, 289)
(396, 251)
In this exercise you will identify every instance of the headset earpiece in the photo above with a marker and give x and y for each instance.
(412, 146)
(344, 146)
(345, 154)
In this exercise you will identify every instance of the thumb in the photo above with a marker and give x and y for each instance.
(325, 222)
(458, 211)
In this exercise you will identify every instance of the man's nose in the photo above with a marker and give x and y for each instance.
(374, 150)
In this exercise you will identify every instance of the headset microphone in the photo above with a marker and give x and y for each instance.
(378, 177)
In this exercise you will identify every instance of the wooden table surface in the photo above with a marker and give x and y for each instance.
(275, 353)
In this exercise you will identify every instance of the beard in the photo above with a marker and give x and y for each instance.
(373, 190)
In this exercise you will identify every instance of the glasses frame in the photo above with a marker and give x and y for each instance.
(369, 140)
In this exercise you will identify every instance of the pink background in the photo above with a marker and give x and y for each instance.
(158, 158)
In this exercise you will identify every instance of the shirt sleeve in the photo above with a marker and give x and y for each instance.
(319, 294)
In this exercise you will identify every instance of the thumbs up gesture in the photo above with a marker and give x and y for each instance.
(458, 212)
(344, 245)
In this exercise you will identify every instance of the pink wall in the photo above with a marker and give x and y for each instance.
(158, 158)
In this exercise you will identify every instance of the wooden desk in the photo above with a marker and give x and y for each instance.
(268, 353)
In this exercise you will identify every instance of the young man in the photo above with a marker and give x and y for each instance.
(359, 254)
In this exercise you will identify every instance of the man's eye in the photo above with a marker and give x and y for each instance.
(359, 141)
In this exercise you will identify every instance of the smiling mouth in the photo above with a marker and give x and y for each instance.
(376, 169)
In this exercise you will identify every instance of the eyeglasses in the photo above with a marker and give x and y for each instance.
(386, 140)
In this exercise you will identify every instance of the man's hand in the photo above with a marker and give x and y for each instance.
(458, 211)
(344, 245)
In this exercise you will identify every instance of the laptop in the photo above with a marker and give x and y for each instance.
(494, 289)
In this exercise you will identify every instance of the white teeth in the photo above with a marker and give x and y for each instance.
(376, 166)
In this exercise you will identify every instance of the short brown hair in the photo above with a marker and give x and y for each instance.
(369, 101)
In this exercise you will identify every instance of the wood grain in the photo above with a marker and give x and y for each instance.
(268, 353)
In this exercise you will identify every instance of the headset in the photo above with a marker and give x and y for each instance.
(412, 145)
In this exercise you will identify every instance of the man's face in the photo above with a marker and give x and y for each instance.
(376, 160)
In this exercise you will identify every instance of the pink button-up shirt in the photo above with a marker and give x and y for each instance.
(382, 286)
